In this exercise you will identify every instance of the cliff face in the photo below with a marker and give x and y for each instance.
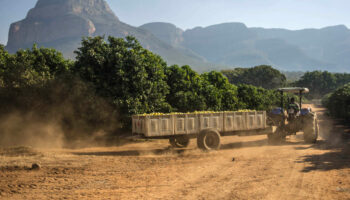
(54, 20)
(167, 32)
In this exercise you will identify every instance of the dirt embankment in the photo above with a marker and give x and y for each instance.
(244, 168)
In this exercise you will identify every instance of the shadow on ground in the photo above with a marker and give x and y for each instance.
(135, 152)
(337, 140)
(257, 143)
(237, 145)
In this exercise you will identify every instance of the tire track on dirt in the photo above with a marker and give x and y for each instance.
(221, 179)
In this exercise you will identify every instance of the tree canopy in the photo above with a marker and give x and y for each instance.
(190, 91)
(3, 59)
(260, 76)
(31, 67)
(221, 95)
(321, 83)
(132, 77)
(185, 89)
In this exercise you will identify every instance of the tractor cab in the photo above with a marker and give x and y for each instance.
(293, 108)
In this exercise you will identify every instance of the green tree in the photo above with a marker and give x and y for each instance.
(220, 94)
(25, 75)
(3, 60)
(32, 67)
(338, 103)
(235, 76)
(320, 83)
(131, 77)
(260, 76)
(185, 87)
(342, 79)
(192, 92)
(251, 97)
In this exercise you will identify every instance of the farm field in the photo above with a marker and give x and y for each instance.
(244, 168)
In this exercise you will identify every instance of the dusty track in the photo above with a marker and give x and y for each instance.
(245, 168)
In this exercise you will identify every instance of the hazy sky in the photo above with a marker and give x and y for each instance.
(291, 14)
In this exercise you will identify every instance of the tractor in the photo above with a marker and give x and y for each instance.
(289, 120)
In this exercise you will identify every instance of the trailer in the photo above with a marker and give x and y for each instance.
(207, 127)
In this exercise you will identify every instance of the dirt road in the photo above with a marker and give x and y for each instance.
(245, 168)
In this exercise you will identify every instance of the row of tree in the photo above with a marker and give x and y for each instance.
(322, 83)
(137, 81)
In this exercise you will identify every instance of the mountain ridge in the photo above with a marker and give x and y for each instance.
(254, 46)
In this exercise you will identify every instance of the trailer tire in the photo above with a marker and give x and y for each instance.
(179, 141)
(209, 140)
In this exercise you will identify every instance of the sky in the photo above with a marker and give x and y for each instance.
(186, 14)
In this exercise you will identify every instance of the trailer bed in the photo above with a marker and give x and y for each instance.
(168, 125)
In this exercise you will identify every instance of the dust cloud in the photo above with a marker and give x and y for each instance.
(328, 128)
(18, 129)
(27, 130)
(65, 114)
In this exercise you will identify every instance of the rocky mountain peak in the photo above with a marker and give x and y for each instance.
(56, 8)
(55, 20)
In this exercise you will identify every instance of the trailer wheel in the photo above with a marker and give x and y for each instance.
(209, 140)
(179, 141)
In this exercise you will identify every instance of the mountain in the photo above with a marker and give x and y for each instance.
(234, 44)
(167, 32)
(61, 24)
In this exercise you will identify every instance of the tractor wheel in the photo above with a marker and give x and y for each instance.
(311, 130)
(209, 140)
(179, 141)
(276, 137)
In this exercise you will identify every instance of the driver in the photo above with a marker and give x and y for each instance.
(293, 108)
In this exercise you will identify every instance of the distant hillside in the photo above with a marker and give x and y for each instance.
(61, 24)
(233, 44)
(330, 45)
